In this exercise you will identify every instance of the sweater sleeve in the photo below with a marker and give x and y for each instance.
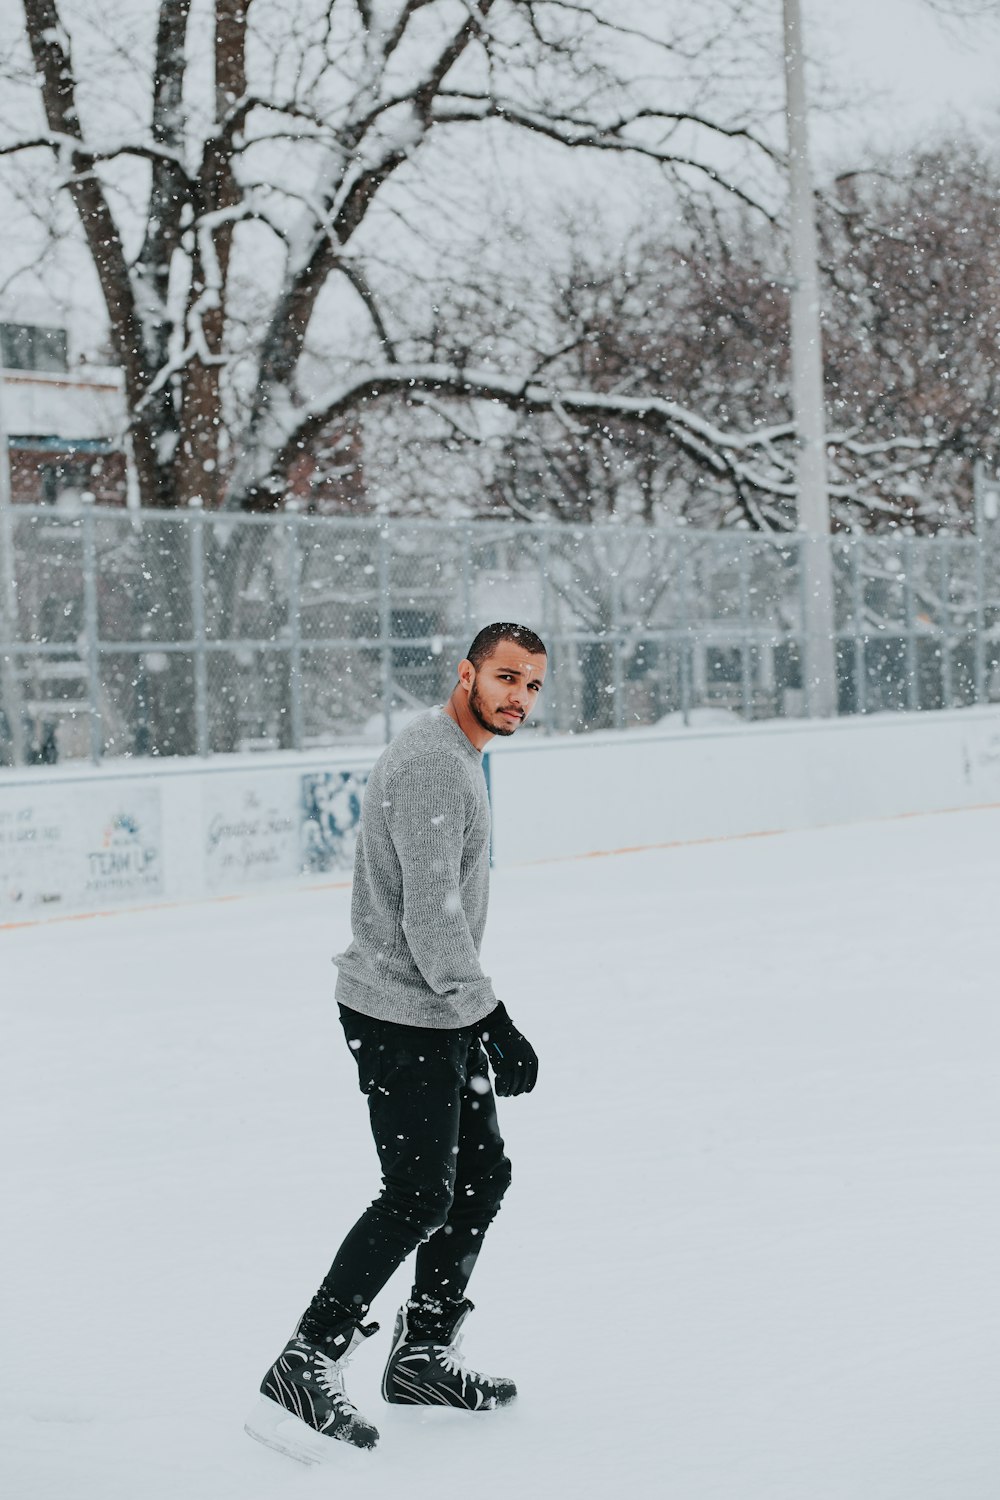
(426, 812)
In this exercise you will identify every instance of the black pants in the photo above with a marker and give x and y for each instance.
(444, 1171)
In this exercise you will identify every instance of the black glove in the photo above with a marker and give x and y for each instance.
(512, 1057)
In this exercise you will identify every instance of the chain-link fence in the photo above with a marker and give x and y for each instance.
(150, 633)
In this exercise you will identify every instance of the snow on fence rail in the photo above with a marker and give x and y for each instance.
(87, 839)
(190, 633)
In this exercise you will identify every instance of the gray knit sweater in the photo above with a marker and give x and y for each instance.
(421, 883)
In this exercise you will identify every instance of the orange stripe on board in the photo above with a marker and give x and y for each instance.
(759, 833)
(718, 838)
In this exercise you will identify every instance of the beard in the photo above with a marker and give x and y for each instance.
(478, 710)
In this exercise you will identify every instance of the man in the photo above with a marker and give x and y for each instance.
(421, 1019)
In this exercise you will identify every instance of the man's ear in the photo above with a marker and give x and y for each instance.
(466, 674)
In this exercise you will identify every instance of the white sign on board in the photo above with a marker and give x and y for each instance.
(251, 831)
(88, 845)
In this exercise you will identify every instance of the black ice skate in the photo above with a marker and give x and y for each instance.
(426, 1367)
(303, 1406)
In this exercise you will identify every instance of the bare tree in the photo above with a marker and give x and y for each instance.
(236, 168)
(911, 276)
(914, 273)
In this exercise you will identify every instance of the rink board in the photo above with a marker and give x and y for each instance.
(77, 839)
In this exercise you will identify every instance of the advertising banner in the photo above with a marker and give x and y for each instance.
(330, 814)
(78, 847)
(123, 844)
(981, 761)
(251, 834)
(34, 857)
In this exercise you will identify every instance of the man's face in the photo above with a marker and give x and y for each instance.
(506, 687)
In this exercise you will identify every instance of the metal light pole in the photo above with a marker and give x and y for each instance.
(820, 672)
(10, 686)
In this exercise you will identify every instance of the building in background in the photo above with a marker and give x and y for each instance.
(65, 424)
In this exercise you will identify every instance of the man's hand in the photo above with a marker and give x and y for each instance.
(512, 1057)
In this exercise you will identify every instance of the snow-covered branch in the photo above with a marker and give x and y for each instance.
(291, 427)
(91, 152)
(582, 133)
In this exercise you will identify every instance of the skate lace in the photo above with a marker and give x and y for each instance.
(330, 1379)
(453, 1361)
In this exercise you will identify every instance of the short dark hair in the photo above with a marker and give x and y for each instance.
(490, 636)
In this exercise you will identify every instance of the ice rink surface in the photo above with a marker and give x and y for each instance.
(751, 1247)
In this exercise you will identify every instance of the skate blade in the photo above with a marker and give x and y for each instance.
(281, 1430)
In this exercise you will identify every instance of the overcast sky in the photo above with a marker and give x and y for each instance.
(909, 77)
(911, 71)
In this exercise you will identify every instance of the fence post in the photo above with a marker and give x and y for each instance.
(90, 629)
(543, 555)
(294, 560)
(467, 630)
(746, 679)
(860, 638)
(385, 625)
(10, 682)
(912, 678)
(980, 646)
(197, 534)
(617, 670)
(802, 642)
(943, 590)
(684, 628)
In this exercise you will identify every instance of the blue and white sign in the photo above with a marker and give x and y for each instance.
(331, 818)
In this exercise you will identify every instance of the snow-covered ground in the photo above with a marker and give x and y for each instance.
(751, 1248)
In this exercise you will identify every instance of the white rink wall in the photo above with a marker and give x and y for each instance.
(555, 799)
(76, 839)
